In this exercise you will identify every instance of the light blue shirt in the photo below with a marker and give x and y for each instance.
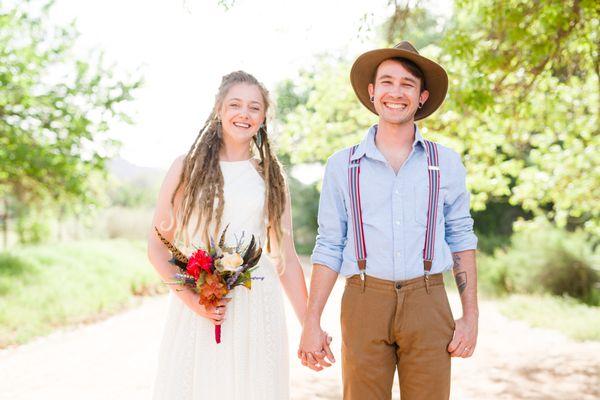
(394, 209)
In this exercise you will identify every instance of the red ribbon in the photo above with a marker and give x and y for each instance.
(218, 334)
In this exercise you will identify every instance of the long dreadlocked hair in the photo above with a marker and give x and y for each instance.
(201, 176)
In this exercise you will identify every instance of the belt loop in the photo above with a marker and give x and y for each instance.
(362, 278)
(427, 282)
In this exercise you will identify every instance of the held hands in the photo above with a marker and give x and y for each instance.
(465, 338)
(314, 351)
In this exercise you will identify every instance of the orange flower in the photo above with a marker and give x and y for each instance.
(212, 290)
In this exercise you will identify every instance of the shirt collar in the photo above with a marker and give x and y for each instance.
(367, 145)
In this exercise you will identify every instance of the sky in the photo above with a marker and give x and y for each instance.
(183, 48)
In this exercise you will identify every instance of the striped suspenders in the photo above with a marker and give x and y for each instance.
(433, 169)
(360, 248)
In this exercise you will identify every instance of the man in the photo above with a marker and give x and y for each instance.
(393, 215)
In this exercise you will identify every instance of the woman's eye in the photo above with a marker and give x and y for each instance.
(234, 105)
(255, 108)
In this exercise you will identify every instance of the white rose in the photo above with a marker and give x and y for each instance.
(231, 261)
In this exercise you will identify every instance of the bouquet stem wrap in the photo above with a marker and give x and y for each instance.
(218, 334)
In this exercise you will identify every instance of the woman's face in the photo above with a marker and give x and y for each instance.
(242, 112)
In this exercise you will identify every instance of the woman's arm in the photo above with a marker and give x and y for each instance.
(159, 255)
(291, 274)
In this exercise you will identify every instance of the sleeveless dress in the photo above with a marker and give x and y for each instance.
(251, 362)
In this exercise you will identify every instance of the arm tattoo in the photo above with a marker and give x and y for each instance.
(456, 259)
(459, 276)
(461, 281)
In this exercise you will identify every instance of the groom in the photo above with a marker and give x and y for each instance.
(393, 215)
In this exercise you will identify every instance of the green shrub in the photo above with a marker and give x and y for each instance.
(545, 259)
(46, 286)
(305, 206)
(33, 228)
(492, 276)
(489, 242)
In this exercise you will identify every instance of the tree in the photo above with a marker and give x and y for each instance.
(325, 115)
(55, 110)
(522, 106)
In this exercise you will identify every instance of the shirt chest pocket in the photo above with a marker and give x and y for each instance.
(421, 202)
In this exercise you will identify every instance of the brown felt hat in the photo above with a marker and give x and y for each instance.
(364, 68)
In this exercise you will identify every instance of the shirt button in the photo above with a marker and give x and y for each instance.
(396, 191)
(398, 254)
(397, 222)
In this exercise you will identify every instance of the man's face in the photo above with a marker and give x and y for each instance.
(396, 93)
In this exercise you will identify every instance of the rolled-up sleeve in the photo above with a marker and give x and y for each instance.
(333, 221)
(459, 224)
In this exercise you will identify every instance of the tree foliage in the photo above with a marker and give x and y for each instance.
(522, 106)
(55, 109)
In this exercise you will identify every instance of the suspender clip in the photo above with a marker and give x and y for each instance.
(427, 281)
(362, 279)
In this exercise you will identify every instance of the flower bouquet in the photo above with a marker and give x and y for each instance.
(214, 272)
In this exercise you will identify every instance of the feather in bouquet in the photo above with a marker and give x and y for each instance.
(214, 272)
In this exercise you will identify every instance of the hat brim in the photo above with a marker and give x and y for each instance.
(364, 68)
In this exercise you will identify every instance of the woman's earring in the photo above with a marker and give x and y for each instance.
(420, 105)
(259, 137)
(372, 99)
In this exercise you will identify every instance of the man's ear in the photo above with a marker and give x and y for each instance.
(371, 89)
(423, 96)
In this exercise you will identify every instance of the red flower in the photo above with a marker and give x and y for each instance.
(200, 260)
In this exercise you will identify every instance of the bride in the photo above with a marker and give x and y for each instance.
(220, 182)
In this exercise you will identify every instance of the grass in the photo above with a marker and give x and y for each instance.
(569, 316)
(48, 286)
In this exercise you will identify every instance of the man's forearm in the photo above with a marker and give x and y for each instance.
(465, 275)
(322, 281)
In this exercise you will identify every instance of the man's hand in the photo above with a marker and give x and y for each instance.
(465, 338)
(314, 350)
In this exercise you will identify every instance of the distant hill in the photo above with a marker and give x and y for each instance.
(132, 185)
(125, 171)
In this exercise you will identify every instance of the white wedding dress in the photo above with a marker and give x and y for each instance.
(251, 362)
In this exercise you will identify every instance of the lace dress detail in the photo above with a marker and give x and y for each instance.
(251, 362)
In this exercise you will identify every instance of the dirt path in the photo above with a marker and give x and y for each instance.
(116, 358)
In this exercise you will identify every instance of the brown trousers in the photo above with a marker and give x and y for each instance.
(390, 325)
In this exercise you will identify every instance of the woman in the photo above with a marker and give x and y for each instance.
(219, 182)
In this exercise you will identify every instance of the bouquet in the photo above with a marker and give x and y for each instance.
(214, 272)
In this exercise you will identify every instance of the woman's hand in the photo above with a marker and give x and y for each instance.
(215, 314)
